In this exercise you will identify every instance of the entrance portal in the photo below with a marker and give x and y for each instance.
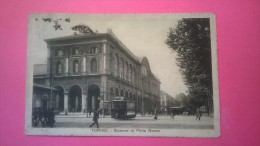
(93, 94)
(75, 100)
(60, 98)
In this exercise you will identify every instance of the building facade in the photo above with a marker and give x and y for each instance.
(90, 67)
(166, 101)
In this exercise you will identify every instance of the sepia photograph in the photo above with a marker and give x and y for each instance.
(149, 75)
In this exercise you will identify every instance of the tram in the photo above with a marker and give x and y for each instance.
(121, 108)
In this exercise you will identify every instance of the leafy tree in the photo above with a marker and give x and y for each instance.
(182, 99)
(190, 39)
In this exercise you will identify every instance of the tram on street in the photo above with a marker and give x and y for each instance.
(121, 108)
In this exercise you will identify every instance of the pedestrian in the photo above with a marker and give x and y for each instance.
(84, 111)
(155, 114)
(51, 117)
(95, 118)
(35, 117)
(45, 118)
(89, 112)
(198, 114)
(39, 116)
(172, 115)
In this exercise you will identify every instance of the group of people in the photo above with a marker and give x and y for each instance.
(198, 114)
(87, 112)
(45, 117)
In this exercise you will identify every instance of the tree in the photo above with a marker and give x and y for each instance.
(182, 99)
(190, 39)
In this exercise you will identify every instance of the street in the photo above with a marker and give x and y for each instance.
(163, 122)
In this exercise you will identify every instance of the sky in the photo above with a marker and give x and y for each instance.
(144, 35)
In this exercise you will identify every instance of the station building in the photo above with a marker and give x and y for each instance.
(87, 70)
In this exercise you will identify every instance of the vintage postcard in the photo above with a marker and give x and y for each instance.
(150, 75)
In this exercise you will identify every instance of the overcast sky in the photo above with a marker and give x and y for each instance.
(144, 35)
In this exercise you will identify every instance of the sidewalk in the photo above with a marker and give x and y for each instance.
(81, 115)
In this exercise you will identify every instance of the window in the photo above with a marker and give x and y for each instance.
(93, 65)
(117, 92)
(133, 76)
(75, 51)
(94, 50)
(126, 71)
(117, 66)
(122, 92)
(58, 67)
(122, 68)
(111, 93)
(75, 66)
(58, 53)
(130, 73)
(126, 94)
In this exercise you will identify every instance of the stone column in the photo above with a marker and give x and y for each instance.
(83, 97)
(93, 103)
(104, 87)
(104, 58)
(57, 98)
(84, 65)
(66, 101)
(67, 66)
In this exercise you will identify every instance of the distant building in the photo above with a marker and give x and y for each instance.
(166, 101)
(90, 67)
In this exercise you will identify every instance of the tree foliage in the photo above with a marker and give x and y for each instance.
(182, 99)
(190, 39)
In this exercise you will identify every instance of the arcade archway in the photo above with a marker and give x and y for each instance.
(93, 94)
(75, 100)
(59, 98)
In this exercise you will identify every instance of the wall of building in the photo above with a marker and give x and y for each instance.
(71, 63)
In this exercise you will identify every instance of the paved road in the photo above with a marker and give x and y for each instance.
(163, 122)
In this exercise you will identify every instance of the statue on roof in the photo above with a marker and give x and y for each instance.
(83, 29)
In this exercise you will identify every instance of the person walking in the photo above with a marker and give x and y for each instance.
(198, 114)
(95, 118)
(51, 117)
(89, 112)
(155, 114)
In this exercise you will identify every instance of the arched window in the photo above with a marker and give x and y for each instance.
(58, 67)
(112, 64)
(130, 95)
(122, 68)
(130, 73)
(126, 71)
(59, 52)
(94, 50)
(75, 66)
(126, 94)
(116, 65)
(122, 92)
(75, 51)
(134, 75)
(117, 92)
(93, 66)
(111, 93)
